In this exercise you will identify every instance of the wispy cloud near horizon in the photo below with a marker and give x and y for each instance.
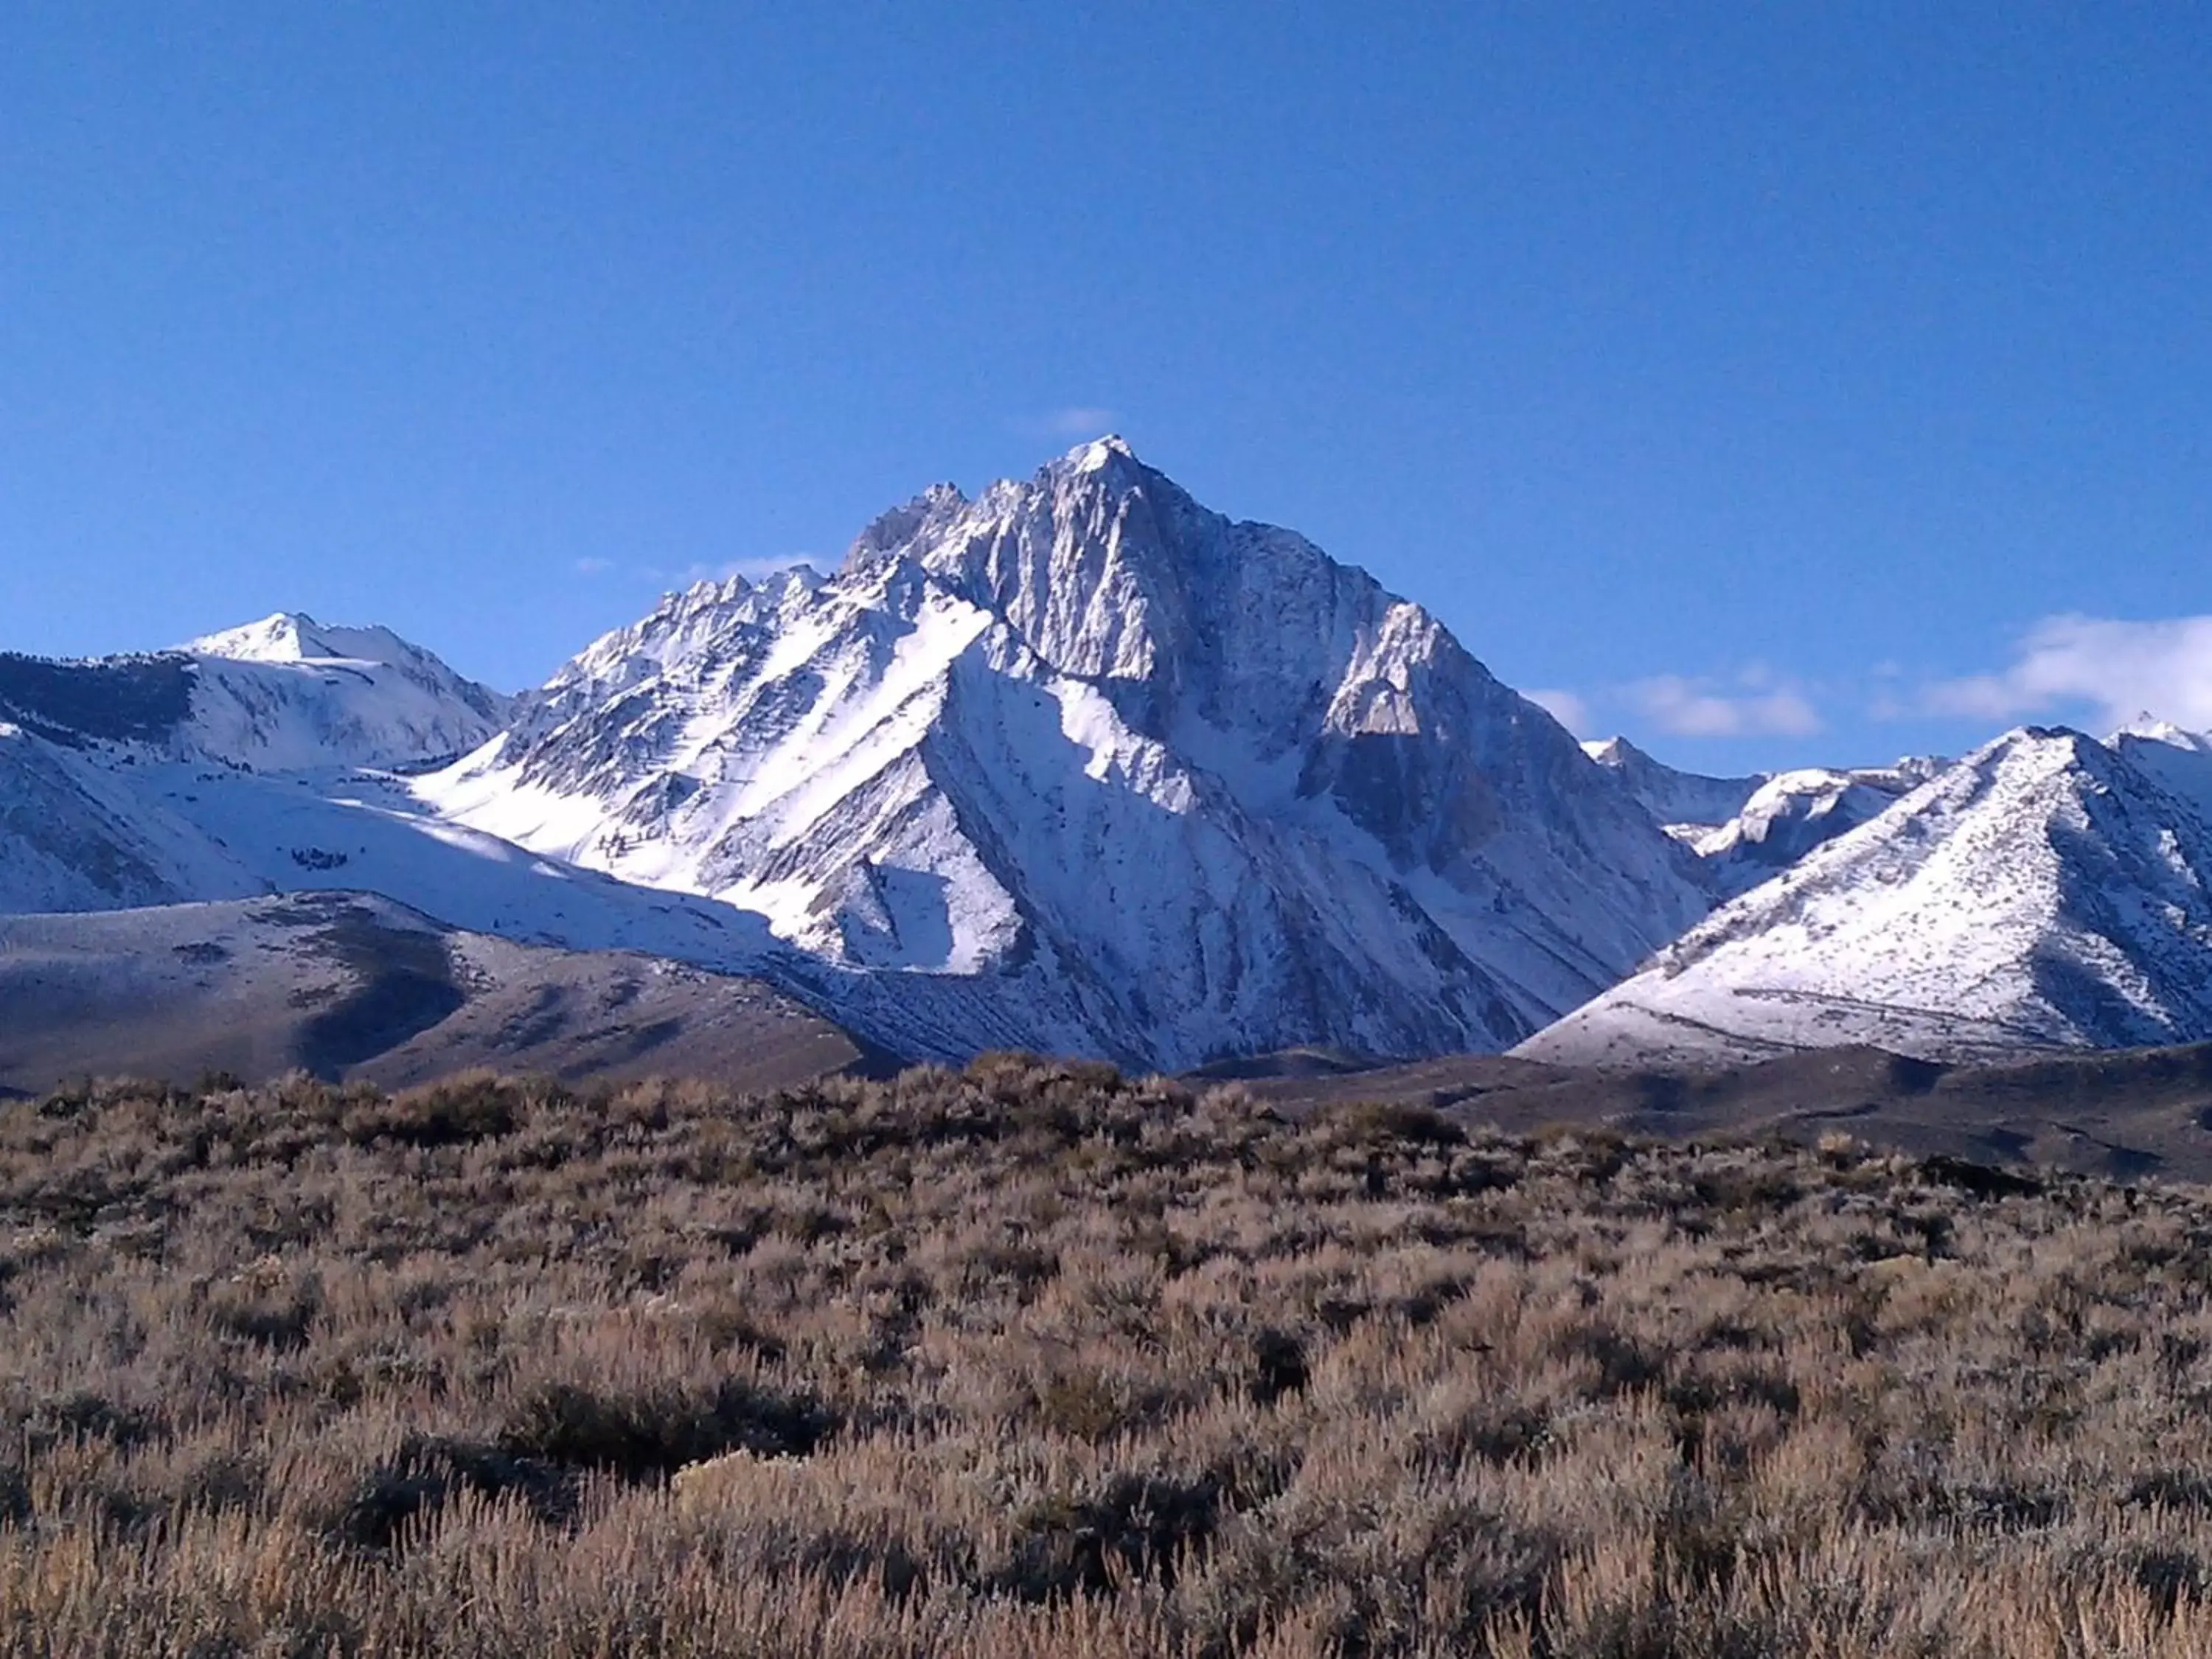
(1754, 702)
(2116, 668)
(1685, 707)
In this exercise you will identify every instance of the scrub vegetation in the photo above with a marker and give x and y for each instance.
(1033, 1360)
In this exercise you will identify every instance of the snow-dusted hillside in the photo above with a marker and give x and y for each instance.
(1108, 771)
(133, 782)
(280, 694)
(2048, 890)
(288, 692)
(1746, 831)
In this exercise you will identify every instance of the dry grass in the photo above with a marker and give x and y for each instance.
(1033, 1361)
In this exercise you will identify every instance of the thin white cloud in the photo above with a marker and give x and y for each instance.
(593, 566)
(2116, 669)
(1685, 707)
(1570, 709)
(1073, 421)
(1754, 701)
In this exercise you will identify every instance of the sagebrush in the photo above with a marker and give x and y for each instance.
(1037, 1360)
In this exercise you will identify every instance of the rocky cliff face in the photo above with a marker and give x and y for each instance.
(1686, 803)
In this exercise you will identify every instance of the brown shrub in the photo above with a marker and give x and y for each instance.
(1034, 1359)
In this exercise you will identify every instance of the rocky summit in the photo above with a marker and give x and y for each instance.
(1080, 764)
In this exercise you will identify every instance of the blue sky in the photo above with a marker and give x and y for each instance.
(1775, 383)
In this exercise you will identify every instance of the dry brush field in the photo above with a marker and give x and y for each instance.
(1037, 1361)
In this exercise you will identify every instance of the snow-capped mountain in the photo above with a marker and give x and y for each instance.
(1081, 765)
(2182, 760)
(1685, 804)
(259, 761)
(279, 695)
(1078, 765)
(1108, 771)
(1793, 812)
(110, 770)
(1746, 831)
(2050, 890)
(288, 692)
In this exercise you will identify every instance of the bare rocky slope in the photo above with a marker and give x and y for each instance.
(349, 986)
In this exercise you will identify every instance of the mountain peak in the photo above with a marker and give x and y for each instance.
(2048, 890)
(1678, 800)
(281, 637)
(2148, 728)
(1099, 454)
(290, 691)
(294, 636)
(900, 527)
(1080, 764)
(1615, 750)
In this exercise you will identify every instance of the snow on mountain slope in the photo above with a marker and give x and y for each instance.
(288, 692)
(2047, 891)
(1793, 812)
(1686, 803)
(1746, 830)
(1077, 765)
(279, 695)
(1089, 767)
(77, 835)
(294, 636)
(2181, 760)
(148, 781)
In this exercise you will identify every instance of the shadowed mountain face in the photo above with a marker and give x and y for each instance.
(345, 985)
(128, 699)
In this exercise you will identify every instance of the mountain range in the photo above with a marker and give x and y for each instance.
(1080, 765)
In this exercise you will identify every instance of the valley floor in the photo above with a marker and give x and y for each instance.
(1033, 1360)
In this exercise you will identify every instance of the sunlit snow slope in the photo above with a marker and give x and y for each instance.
(2047, 891)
